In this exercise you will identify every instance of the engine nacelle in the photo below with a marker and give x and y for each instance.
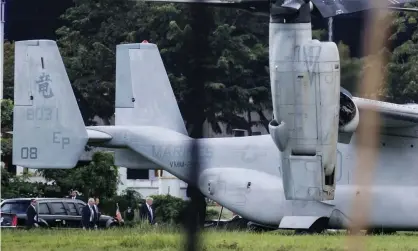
(349, 115)
(305, 82)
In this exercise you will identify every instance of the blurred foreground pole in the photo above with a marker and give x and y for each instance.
(368, 133)
(198, 48)
(2, 20)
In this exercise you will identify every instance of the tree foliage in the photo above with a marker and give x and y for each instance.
(13, 186)
(128, 198)
(6, 126)
(97, 179)
(8, 70)
(402, 86)
(6, 115)
(351, 69)
(171, 210)
(236, 59)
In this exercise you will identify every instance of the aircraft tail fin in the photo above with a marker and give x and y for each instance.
(143, 91)
(48, 129)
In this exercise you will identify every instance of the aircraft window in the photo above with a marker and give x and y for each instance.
(137, 174)
(43, 208)
(73, 209)
(238, 132)
(58, 208)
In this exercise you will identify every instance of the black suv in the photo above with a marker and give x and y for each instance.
(53, 212)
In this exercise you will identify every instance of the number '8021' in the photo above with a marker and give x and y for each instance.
(29, 153)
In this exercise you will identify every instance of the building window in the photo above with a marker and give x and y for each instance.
(137, 174)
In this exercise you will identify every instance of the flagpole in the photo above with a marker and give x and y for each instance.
(3, 4)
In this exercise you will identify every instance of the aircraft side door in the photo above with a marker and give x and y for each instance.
(340, 175)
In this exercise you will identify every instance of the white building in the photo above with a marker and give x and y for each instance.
(148, 182)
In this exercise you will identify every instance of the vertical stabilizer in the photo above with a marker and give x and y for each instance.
(143, 91)
(48, 130)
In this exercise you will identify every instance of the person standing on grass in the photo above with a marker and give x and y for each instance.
(89, 215)
(97, 211)
(146, 211)
(31, 218)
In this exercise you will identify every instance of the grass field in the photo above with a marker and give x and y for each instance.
(226, 214)
(164, 239)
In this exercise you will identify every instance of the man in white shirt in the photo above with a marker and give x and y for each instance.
(74, 195)
(97, 211)
(89, 215)
(146, 211)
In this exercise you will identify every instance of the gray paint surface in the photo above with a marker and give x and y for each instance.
(243, 173)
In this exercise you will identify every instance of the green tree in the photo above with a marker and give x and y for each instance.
(13, 186)
(8, 68)
(235, 61)
(402, 69)
(6, 126)
(6, 115)
(99, 178)
(88, 45)
(128, 198)
(351, 69)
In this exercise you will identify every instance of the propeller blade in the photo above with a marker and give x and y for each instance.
(293, 4)
(223, 2)
(329, 8)
(403, 9)
(256, 7)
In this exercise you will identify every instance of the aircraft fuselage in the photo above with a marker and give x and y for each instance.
(243, 174)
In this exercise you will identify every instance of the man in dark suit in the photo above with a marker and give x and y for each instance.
(89, 215)
(31, 218)
(97, 211)
(146, 211)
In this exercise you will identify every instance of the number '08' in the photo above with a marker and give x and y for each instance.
(29, 153)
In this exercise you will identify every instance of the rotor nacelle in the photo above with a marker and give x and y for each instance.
(349, 117)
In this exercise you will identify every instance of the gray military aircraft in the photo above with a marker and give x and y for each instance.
(241, 173)
(305, 88)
